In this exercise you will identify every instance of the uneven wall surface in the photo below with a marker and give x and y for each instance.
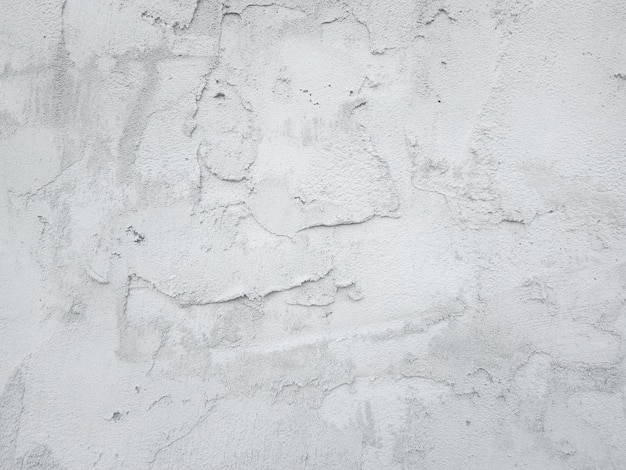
(312, 234)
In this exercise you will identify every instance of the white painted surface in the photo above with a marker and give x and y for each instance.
(312, 234)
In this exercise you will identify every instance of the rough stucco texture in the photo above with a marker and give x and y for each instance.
(312, 234)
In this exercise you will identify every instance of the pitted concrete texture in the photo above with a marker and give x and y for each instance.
(312, 234)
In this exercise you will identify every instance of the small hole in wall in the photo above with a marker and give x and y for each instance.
(220, 95)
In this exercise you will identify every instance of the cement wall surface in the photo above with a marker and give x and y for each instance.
(312, 234)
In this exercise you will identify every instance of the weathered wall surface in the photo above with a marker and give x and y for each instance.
(312, 234)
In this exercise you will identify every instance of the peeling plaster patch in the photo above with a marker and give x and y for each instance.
(322, 292)
(321, 186)
(227, 132)
(219, 266)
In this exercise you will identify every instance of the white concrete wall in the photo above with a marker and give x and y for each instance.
(312, 234)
